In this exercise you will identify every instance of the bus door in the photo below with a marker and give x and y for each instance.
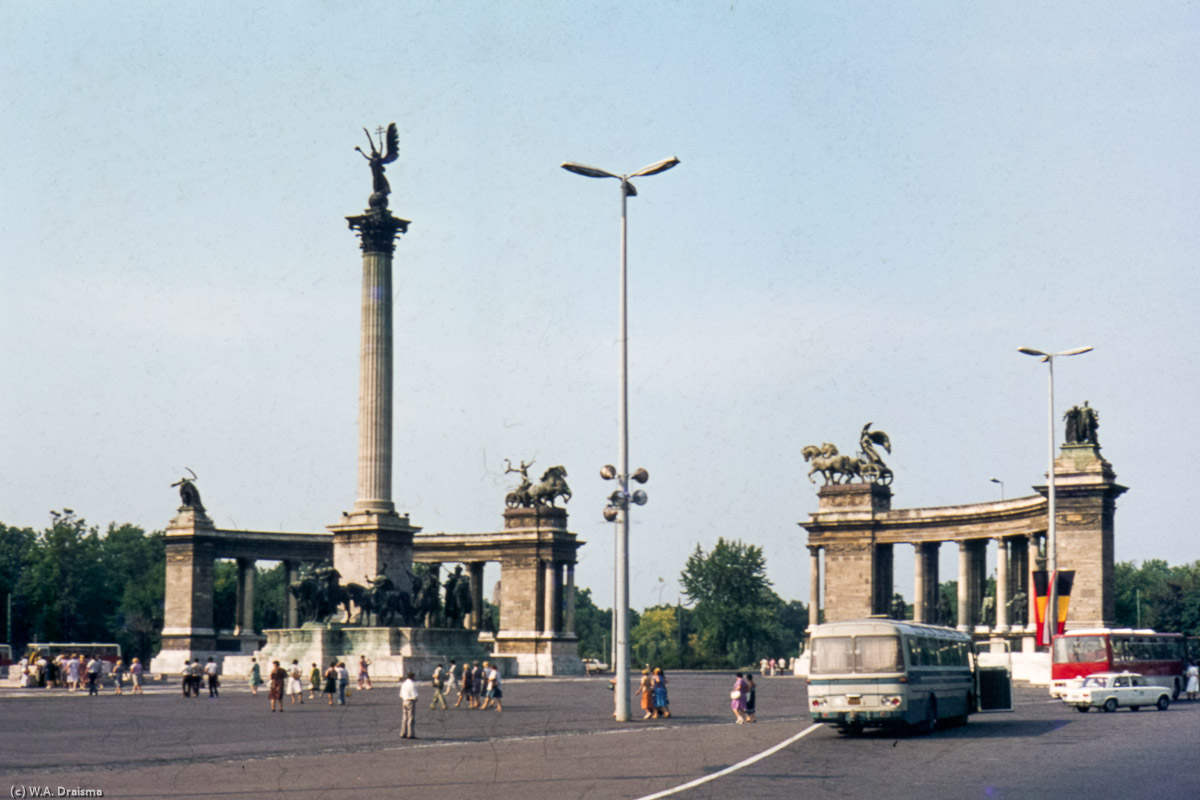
(993, 677)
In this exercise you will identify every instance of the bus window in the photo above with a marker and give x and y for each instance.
(1079, 649)
(832, 655)
(879, 654)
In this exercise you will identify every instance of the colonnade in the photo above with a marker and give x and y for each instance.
(1012, 574)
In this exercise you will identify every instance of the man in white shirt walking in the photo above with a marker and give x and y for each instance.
(408, 698)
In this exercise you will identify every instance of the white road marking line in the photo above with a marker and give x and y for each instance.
(740, 765)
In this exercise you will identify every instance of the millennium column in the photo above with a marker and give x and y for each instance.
(373, 539)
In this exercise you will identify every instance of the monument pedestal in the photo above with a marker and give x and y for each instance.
(392, 651)
(370, 543)
(188, 631)
(537, 601)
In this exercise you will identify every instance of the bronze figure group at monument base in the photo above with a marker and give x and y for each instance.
(868, 466)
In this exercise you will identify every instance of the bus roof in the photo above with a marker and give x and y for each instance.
(1107, 631)
(885, 625)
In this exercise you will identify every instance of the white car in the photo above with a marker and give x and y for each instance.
(1112, 690)
(593, 666)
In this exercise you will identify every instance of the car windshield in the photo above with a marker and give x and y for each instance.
(1099, 683)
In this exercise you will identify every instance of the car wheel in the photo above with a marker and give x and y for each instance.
(1162, 703)
(1110, 705)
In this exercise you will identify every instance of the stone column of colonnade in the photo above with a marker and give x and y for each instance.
(291, 608)
(814, 587)
(550, 596)
(244, 617)
(569, 605)
(1001, 584)
(476, 618)
(925, 582)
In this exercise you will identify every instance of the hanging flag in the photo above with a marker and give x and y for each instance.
(1066, 579)
(1041, 598)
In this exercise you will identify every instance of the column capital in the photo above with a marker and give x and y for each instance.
(378, 229)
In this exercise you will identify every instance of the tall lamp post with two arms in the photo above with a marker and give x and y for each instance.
(1051, 617)
(621, 499)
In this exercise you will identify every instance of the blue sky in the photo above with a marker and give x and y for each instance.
(876, 205)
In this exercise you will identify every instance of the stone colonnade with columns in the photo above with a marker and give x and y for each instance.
(535, 551)
(853, 535)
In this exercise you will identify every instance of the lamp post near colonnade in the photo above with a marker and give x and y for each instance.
(1051, 616)
(619, 501)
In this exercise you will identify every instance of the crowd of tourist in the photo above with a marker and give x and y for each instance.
(75, 672)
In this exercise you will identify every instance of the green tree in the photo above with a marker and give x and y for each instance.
(16, 551)
(270, 597)
(736, 612)
(655, 639)
(593, 626)
(134, 565)
(1157, 595)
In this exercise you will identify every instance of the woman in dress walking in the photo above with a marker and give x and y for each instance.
(1193, 681)
(750, 698)
(255, 676)
(294, 686)
(662, 706)
(331, 681)
(737, 699)
(646, 691)
(278, 676)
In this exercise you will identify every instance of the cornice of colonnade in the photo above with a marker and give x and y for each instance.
(1020, 516)
(559, 544)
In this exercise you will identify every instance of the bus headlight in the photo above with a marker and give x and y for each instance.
(890, 700)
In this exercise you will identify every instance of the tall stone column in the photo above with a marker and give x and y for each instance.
(814, 587)
(373, 539)
(569, 622)
(244, 622)
(291, 611)
(1002, 585)
(550, 596)
(919, 610)
(476, 568)
(965, 617)
(883, 585)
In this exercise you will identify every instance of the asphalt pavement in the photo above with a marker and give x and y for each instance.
(556, 739)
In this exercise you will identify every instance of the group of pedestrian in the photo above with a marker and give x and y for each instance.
(773, 666)
(194, 674)
(742, 698)
(653, 692)
(74, 671)
(478, 684)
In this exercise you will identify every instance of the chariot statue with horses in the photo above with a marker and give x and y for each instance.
(540, 495)
(836, 468)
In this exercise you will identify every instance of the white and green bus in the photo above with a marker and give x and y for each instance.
(880, 671)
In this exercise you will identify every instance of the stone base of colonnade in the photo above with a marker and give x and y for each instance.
(392, 651)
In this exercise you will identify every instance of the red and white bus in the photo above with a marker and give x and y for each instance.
(1160, 657)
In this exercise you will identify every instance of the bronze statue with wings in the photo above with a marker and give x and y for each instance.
(378, 159)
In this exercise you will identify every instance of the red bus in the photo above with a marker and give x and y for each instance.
(1160, 657)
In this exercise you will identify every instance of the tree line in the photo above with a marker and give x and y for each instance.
(72, 582)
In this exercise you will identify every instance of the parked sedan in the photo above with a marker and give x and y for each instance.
(593, 666)
(1112, 690)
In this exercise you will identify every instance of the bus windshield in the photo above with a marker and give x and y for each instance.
(1080, 650)
(843, 655)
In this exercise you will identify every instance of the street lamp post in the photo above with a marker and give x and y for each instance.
(1051, 620)
(618, 510)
